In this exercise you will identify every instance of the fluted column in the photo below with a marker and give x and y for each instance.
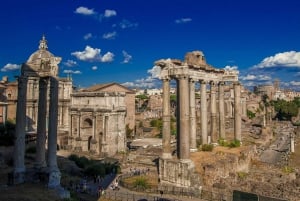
(193, 144)
(19, 148)
(166, 132)
(54, 173)
(237, 111)
(221, 111)
(203, 113)
(213, 113)
(184, 142)
(40, 158)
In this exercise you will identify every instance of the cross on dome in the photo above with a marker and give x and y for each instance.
(43, 43)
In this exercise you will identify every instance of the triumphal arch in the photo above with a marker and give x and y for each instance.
(179, 170)
(42, 66)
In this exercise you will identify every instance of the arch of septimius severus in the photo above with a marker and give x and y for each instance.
(42, 66)
(194, 69)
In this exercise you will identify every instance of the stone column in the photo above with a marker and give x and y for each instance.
(221, 111)
(237, 111)
(41, 126)
(193, 144)
(213, 113)
(78, 124)
(94, 126)
(166, 132)
(184, 141)
(54, 173)
(203, 113)
(19, 148)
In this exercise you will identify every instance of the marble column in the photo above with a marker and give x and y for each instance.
(40, 158)
(184, 141)
(213, 113)
(166, 132)
(94, 126)
(237, 111)
(19, 147)
(54, 173)
(203, 113)
(193, 144)
(221, 111)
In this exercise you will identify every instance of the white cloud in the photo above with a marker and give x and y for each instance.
(87, 36)
(72, 72)
(110, 13)
(70, 63)
(230, 68)
(251, 77)
(84, 11)
(110, 35)
(127, 57)
(183, 20)
(155, 71)
(94, 67)
(10, 67)
(295, 83)
(93, 54)
(285, 59)
(127, 24)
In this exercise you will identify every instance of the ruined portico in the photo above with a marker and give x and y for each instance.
(194, 69)
(43, 66)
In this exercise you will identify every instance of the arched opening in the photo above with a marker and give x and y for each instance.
(89, 143)
(87, 123)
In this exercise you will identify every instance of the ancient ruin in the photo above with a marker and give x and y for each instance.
(179, 171)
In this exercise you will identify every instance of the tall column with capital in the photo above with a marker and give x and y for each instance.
(19, 147)
(203, 113)
(193, 144)
(41, 126)
(237, 111)
(221, 111)
(184, 118)
(166, 132)
(213, 113)
(54, 173)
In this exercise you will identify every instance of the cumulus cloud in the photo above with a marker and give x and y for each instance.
(72, 72)
(183, 20)
(127, 24)
(285, 59)
(93, 54)
(70, 63)
(110, 13)
(230, 68)
(10, 67)
(85, 11)
(295, 83)
(127, 57)
(154, 71)
(110, 35)
(87, 36)
(94, 67)
(250, 77)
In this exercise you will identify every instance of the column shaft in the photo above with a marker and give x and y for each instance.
(166, 132)
(19, 147)
(237, 112)
(193, 144)
(213, 113)
(221, 111)
(184, 151)
(203, 113)
(41, 126)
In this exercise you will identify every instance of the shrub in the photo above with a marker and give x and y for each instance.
(234, 143)
(141, 183)
(223, 142)
(207, 147)
(96, 169)
(287, 169)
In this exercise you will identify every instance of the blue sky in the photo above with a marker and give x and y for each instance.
(104, 41)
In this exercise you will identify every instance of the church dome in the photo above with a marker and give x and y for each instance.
(41, 53)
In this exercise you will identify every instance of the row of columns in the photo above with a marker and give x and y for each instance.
(19, 148)
(186, 118)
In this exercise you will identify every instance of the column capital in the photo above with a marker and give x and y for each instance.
(203, 82)
(236, 83)
(221, 83)
(212, 83)
(192, 80)
(166, 78)
(182, 76)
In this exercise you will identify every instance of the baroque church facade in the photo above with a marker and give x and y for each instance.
(91, 120)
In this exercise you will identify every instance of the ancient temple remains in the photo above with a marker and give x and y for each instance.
(194, 69)
(41, 65)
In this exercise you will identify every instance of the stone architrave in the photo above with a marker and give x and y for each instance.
(221, 111)
(237, 111)
(166, 141)
(203, 113)
(193, 144)
(41, 127)
(19, 148)
(213, 113)
(184, 134)
(54, 173)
